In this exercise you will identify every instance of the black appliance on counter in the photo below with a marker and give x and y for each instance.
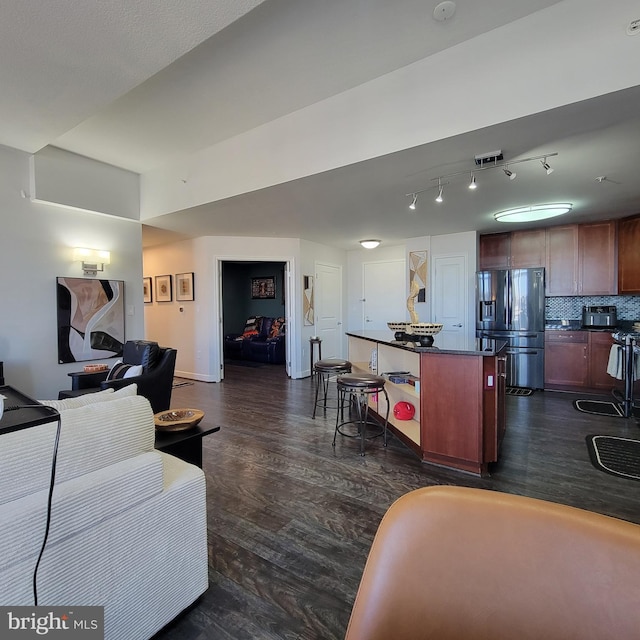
(603, 317)
(510, 307)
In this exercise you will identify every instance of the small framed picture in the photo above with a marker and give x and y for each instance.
(263, 288)
(184, 286)
(147, 294)
(163, 289)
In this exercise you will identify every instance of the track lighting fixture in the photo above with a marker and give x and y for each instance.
(488, 162)
(546, 166)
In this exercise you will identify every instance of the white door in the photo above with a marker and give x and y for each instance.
(450, 301)
(384, 294)
(328, 309)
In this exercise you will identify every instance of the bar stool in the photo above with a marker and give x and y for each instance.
(359, 386)
(323, 371)
(312, 343)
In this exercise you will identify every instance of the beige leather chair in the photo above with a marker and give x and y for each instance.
(451, 562)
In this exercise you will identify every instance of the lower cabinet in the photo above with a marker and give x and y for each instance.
(577, 360)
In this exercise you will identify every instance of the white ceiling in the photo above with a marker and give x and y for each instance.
(138, 84)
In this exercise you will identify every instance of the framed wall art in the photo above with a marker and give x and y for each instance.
(263, 288)
(90, 315)
(307, 308)
(184, 286)
(163, 289)
(147, 293)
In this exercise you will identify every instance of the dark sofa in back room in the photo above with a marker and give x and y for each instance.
(263, 340)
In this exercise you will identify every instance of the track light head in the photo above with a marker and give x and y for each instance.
(546, 166)
(412, 206)
(439, 197)
(510, 174)
(472, 184)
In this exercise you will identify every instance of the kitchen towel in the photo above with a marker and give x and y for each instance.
(614, 368)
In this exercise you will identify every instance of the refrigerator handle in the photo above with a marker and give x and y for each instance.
(509, 309)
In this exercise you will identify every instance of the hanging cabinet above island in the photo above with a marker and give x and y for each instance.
(459, 400)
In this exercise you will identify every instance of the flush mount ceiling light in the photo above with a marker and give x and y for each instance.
(369, 244)
(533, 212)
(412, 206)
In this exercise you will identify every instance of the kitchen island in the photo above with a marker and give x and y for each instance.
(458, 396)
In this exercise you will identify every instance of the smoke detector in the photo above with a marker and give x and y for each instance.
(444, 11)
(633, 28)
(488, 158)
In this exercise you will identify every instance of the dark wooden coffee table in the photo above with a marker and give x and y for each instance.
(186, 444)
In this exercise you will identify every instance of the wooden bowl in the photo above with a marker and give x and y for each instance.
(177, 419)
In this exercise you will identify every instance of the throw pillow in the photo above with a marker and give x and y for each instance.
(121, 370)
(252, 326)
(277, 328)
(91, 398)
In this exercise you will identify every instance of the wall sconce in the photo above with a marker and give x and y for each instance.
(93, 260)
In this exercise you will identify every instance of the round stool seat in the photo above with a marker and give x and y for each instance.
(361, 381)
(331, 365)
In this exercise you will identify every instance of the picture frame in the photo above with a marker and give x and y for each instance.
(307, 301)
(147, 290)
(263, 288)
(164, 291)
(184, 286)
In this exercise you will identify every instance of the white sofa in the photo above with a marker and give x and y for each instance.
(128, 525)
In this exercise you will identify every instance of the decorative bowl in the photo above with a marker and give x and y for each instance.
(425, 332)
(177, 419)
(400, 328)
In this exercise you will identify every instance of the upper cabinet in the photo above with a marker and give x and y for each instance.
(561, 274)
(597, 259)
(516, 250)
(581, 259)
(629, 255)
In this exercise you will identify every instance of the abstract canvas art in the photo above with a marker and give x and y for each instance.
(307, 302)
(418, 273)
(90, 316)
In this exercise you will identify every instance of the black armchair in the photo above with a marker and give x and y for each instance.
(154, 383)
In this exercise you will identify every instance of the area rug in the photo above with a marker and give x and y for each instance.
(519, 391)
(599, 408)
(617, 456)
(177, 382)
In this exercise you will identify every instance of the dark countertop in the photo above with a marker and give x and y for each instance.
(479, 347)
(576, 325)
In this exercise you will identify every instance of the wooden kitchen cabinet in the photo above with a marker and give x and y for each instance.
(495, 251)
(597, 259)
(581, 259)
(528, 249)
(629, 255)
(565, 359)
(561, 275)
(515, 250)
(577, 360)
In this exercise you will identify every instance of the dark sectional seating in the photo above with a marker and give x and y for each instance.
(263, 340)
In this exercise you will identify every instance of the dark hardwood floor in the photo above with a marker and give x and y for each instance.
(291, 518)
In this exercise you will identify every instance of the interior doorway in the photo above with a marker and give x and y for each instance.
(253, 289)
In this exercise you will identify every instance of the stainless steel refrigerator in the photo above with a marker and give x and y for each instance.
(511, 307)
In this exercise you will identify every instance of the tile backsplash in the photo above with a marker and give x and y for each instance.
(570, 307)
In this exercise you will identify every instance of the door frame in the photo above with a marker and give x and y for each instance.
(290, 304)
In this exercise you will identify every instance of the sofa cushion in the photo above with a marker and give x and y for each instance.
(91, 398)
(277, 328)
(92, 437)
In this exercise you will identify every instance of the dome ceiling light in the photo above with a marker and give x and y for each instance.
(533, 212)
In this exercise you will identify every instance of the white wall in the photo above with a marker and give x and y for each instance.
(196, 332)
(36, 245)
